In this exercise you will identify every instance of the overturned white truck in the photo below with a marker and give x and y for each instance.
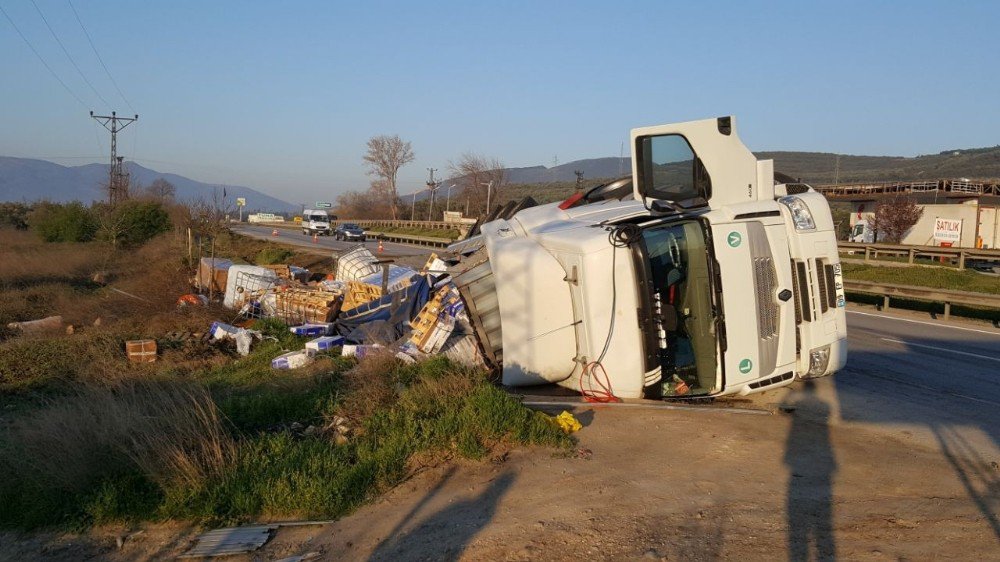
(702, 277)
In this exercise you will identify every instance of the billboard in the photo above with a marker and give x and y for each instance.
(948, 230)
(241, 201)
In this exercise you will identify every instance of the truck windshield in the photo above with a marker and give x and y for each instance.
(317, 218)
(682, 308)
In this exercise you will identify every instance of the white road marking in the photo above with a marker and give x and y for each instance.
(976, 355)
(923, 322)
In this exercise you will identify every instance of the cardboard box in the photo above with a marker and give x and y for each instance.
(324, 343)
(141, 351)
(209, 278)
(311, 329)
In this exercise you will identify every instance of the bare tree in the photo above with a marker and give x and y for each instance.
(161, 189)
(385, 156)
(894, 217)
(481, 179)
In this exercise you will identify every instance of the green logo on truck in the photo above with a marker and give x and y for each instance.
(734, 239)
(745, 366)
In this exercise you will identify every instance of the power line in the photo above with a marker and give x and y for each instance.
(40, 58)
(92, 46)
(69, 56)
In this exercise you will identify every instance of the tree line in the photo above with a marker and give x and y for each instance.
(477, 181)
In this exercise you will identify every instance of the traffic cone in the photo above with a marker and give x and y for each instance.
(380, 248)
(274, 232)
(315, 238)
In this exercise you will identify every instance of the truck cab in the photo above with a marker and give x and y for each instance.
(706, 279)
(315, 221)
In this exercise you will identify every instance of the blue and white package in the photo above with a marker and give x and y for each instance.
(291, 360)
(221, 330)
(312, 329)
(323, 343)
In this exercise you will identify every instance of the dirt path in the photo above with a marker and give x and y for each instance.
(672, 485)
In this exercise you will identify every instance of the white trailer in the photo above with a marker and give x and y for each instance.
(704, 279)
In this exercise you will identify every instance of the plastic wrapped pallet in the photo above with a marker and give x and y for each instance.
(323, 343)
(355, 264)
(399, 277)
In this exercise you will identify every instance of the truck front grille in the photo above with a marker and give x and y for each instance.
(765, 283)
(800, 286)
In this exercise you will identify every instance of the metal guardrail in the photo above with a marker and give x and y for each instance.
(946, 296)
(428, 241)
(403, 224)
(912, 252)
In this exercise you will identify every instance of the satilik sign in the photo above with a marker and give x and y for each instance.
(948, 230)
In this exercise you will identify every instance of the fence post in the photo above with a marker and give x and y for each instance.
(885, 302)
(947, 310)
(867, 252)
(912, 253)
(961, 259)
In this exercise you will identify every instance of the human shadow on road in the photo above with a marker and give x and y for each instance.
(446, 534)
(811, 466)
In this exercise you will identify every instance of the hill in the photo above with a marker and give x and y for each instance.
(813, 167)
(27, 179)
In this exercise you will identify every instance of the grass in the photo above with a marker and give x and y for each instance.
(273, 255)
(939, 278)
(175, 460)
(449, 233)
(202, 434)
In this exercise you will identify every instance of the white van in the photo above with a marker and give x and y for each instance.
(315, 221)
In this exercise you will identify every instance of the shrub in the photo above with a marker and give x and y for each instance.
(14, 215)
(69, 222)
(272, 255)
(133, 223)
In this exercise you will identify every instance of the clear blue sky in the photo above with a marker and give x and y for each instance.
(282, 96)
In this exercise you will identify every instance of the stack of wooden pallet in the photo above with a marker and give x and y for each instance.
(359, 293)
(300, 304)
(432, 326)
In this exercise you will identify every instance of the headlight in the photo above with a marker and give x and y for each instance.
(819, 359)
(801, 216)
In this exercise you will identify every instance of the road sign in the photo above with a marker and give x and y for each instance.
(241, 201)
(322, 205)
(734, 239)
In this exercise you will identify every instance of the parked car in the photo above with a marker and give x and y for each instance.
(349, 231)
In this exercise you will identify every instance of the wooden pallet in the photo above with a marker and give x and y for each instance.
(359, 293)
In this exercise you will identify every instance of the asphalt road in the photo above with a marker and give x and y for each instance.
(296, 238)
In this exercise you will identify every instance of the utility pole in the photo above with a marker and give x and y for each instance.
(579, 179)
(448, 204)
(117, 177)
(489, 194)
(433, 187)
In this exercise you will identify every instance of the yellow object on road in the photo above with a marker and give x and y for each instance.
(567, 422)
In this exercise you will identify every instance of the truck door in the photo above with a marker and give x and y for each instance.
(698, 163)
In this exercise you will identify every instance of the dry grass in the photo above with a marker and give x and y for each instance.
(169, 430)
(369, 386)
(25, 260)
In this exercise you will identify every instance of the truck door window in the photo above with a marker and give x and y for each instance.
(670, 169)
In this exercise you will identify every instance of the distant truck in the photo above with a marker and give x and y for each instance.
(702, 277)
(315, 221)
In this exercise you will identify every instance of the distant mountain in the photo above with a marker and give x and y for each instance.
(27, 179)
(819, 168)
(812, 167)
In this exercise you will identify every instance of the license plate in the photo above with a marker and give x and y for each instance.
(838, 282)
